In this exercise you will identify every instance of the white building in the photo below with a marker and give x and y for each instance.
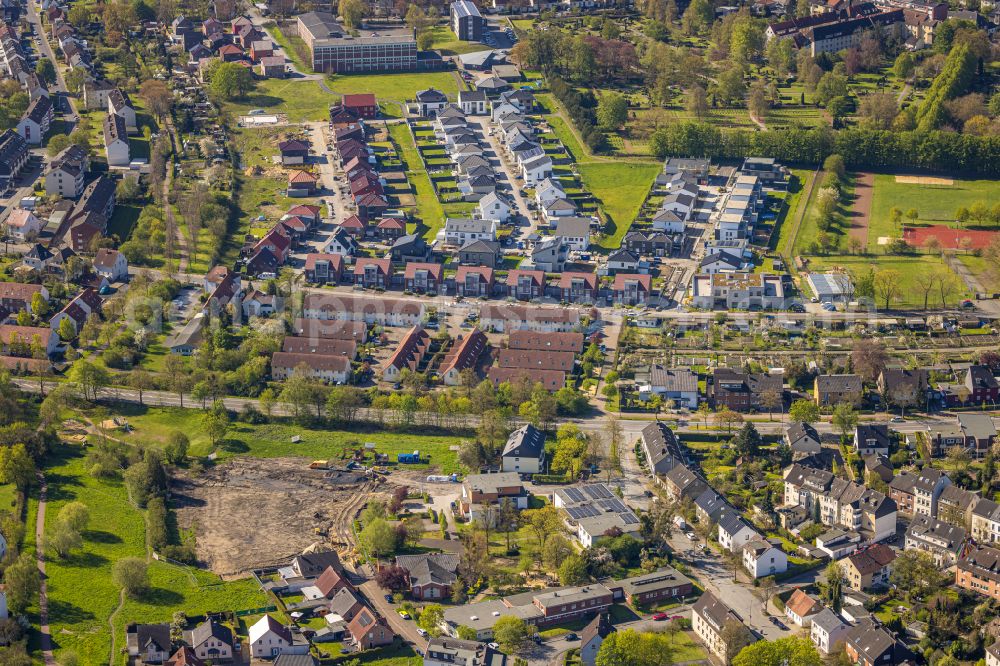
(734, 532)
(119, 104)
(761, 559)
(116, 146)
(492, 207)
(268, 638)
(827, 630)
(22, 225)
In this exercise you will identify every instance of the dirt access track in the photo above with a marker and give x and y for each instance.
(249, 513)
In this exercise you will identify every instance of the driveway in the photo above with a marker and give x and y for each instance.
(406, 629)
(506, 176)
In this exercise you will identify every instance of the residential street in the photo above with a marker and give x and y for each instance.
(506, 177)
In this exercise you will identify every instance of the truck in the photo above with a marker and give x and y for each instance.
(409, 458)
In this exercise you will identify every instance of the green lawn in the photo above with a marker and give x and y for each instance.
(447, 43)
(621, 188)
(122, 220)
(808, 232)
(8, 497)
(429, 208)
(289, 44)
(985, 270)
(153, 426)
(799, 183)
(82, 595)
(301, 100)
(935, 204)
(399, 87)
(908, 268)
(687, 648)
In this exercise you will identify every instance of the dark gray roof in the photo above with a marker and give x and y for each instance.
(437, 568)
(673, 379)
(798, 431)
(525, 442)
(211, 629)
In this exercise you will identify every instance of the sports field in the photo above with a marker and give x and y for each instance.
(934, 203)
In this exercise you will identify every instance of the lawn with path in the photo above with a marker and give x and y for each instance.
(82, 594)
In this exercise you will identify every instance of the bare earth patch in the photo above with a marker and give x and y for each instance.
(924, 180)
(248, 512)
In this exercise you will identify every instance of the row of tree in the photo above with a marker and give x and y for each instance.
(861, 148)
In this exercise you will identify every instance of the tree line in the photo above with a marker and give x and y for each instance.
(860, 147)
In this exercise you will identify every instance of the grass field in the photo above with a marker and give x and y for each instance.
(908, 268)
(8, 497)
(985, 270)
(398, 87)
(935, 204)
(300, 100)
(447, 43)
(429, 208)
(809, 230)
(82, 595)
(621, 187)
(288, 44)
(153, 426)
(782, 241)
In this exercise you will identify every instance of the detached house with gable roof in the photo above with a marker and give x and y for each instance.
(524, 451)
(431, 574)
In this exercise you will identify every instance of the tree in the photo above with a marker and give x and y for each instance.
(797, 650)
(612, 111)
(631, 648)
(352, 12)
(76, 515)
(431, 618)
(728, 418)
(89, 378)
(879, 109)
(544, 522)
(845, 418)
(833, 586)
(730, 86)
(573, 570)
(176, 448)
(735, 636)
(915, 574)
(512, 634)
(696, 101)
(747, 441)
(805, 411)
(869, 358)
(140, 380)
(16, 466)
(131, 575)
(904, 65)
(772, 399)
(394, 578)
(229, 80)
(157, 96)
(46, 70)
(887, 287)
(216, 422)
(378, 539)
(64, 539)
(21, 579)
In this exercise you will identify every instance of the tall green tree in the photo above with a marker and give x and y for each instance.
(790, 651)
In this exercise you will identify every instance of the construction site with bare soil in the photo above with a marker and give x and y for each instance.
(250, 513)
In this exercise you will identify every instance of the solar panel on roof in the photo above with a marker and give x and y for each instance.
(574, 494)
(629, 518)
(598, 491)
(582, 511)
